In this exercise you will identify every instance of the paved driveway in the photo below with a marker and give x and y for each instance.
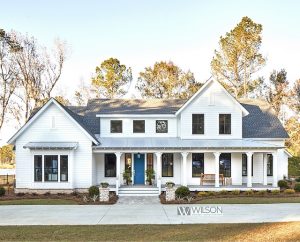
(142, 214)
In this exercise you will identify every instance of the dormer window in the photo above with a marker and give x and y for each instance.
(224, 123)
(116, 126)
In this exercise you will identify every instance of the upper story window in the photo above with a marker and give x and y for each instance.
(116, 126)
(224, 123)
(138, 126)
(161, 126)
(198, 124)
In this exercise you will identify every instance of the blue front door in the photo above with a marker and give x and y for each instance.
(139, 169)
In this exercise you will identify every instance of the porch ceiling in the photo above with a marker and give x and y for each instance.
(177, 143)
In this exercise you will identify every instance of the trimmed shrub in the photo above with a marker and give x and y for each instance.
(249, 192)
(275, 192)
(182, 191)
(104, 184)
(283, 184)
(289, 191)
(202, 194)
(223, 192)
(297, 187)
(93, 190)
(2, 191)
(235, 192)
(262, 192)
(297, 179)
(170, 184)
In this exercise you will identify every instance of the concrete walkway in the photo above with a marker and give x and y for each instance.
(142, 214)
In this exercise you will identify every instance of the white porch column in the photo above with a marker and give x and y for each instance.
(158, 171)
(265, 169)
(249, 169)
(217, 167)
(184, 158)
(118, 165)
(275, 162)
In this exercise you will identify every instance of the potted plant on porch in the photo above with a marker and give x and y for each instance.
(150, 174)
(127, 177)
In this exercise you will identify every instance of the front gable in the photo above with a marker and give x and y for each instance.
(52, 123)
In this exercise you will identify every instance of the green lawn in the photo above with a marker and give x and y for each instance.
(38, 202)
(201, 232)
(251, 200)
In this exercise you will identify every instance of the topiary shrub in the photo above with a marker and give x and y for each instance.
(297, 187)
(93, 190)
(236, 192)
(289, 191)
(283, 184)
(202, 194)
(2, 191)
(182, 191)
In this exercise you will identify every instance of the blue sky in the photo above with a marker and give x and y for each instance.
(140, 32)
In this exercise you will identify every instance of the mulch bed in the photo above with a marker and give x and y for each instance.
(197, 198)
(77, 197)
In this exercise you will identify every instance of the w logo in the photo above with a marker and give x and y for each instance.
(184, 211)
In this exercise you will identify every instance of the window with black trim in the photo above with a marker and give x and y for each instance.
(116, 126)
(224, 123)
(110, 165)
(51, 167)
(167, 164)
(149, 161)
(161, 126)
(197, 164)
(225, 164)
(138, 126)
(244, 165)
(128, 162)
(198, 124)
(270, 165)
(64, 168)
(38, 173)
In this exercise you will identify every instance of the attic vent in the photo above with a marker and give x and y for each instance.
(53, 122)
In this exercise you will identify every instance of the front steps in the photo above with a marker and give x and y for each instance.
(138, 191)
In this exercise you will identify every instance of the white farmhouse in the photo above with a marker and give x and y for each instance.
(209, 142)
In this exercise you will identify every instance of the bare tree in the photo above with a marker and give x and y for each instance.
(8, 75)
(39, 71)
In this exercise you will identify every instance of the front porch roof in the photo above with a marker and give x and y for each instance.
(177, 143)
(51, 145)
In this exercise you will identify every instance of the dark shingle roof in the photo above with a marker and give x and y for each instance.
(261, 121)
(135, 106)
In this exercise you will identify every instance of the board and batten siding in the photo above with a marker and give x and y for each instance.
(150, 127)
(212, 102)
(65, 131)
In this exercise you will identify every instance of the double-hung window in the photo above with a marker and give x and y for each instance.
(198, 124)
(225, 164)
(138, 126)
(197, 164)
(116, 126)
(110, 165)
(51, 167)
(38, 172)
(167, 165)
(224, 123)
(270, 165)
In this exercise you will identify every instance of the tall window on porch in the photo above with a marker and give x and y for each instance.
(110, 165)
(197, 164)
(138, 126)
(116, 126)
(38, 168)
(244, 165)
(167, 165)
(198, 124)
(224, 123)
(51, 167)
(270, 165)
(149, 161)
(64, 168)
(225, 164)
(128, 162)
